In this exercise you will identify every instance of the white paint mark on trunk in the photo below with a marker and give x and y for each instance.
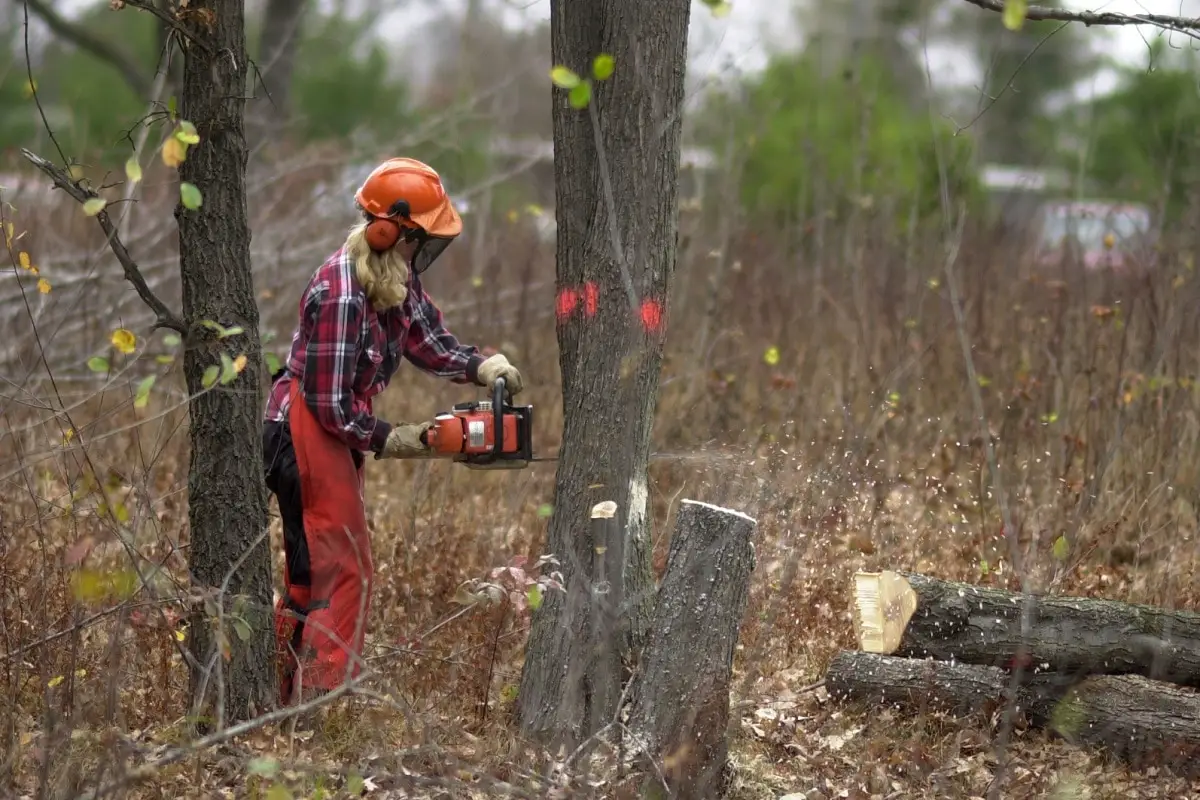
(721, 510)
(635, 523)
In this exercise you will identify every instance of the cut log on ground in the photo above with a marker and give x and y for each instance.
(981, 625)
(1145, 722)
(681, 703)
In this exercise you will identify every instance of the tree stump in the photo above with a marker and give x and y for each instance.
(681, 704)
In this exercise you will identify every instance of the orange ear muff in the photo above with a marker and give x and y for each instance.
(382, 234)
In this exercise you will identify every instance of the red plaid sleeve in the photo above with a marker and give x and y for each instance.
(329, 366)
(434, 349)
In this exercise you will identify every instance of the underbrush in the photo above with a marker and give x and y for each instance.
(840, 412)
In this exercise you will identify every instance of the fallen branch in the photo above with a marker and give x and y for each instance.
(1140, 721)
(1089, 18)
(952, 621)
(165, 317)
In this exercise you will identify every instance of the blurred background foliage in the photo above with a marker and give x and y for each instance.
(850, 108)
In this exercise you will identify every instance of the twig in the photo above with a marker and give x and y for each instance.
(1188, 25)
(218, 738)
(97, 46)
(165, 317)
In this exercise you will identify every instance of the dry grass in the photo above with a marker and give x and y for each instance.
(859, 448)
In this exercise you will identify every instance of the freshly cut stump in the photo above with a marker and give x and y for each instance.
(1145, 722)
(681, 707)
(981, 625)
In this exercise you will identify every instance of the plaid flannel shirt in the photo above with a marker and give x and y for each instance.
(344, 352)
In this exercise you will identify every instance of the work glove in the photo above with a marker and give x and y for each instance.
(497, 366)
(405, 441)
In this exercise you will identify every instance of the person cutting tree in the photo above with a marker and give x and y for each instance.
(363, 310)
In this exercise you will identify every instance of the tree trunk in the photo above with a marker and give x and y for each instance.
(681, 706)
(982, 625)
(227, 501)
(1142, 721)
(616, 208)
(271, 108)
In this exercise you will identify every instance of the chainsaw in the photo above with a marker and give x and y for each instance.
(485, 434)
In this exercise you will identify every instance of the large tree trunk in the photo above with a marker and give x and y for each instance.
(616, 207)
(982, 625)
(227, 501)
(1145, 722)
(681, 707)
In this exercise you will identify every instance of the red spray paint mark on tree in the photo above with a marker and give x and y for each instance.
(651, 314)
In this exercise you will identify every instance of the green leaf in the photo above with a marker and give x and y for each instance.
(228, 369)
(94, 205)
(172, 107)
(171, 340)
(564, 78)
(545, 510)
(133, 170)
(719, 8)
(272, 362)
(165, 358)
(602, 67)
(186, 133)
(234, 331)
(210, 376)
(265, 766)
(190, 196)
(534, 597)
(1061, 548)
(581, 95)
(98, 364)
(1014, 14)
(142, 395)
(354, 784)
(241, 628)
(278, 792)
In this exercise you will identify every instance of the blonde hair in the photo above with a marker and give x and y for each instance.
(384, 276)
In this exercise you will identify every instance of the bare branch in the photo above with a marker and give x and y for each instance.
(166, 318)
(85, 40)
(1089, 18)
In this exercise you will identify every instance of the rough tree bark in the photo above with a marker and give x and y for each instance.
(616, 165)
(982, 625)
(681, 704)
(1145, 722)
(227, 501)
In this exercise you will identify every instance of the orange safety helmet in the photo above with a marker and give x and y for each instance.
(404, 198)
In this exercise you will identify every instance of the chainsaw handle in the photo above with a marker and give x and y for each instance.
(498, 393)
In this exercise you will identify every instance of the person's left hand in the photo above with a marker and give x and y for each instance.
(498, 367)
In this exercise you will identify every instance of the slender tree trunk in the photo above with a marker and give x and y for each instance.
(271, 84)
(623, 245)
(227, 501)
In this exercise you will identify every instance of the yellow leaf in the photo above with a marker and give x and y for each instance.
(239, 363)
(68, 435)
(133, 170)
(771, 356)
(29, 89)
(8, 234)
(55, 681)
(477, 281)
(564, 78)
(180, 636)
(173, 152)
(124, 340)
(43, 286)
(94, 205)
(1014, 14)
(23, 259)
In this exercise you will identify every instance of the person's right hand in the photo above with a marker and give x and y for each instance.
(405, 441)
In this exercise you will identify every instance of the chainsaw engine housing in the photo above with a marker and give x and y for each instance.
(486, 434)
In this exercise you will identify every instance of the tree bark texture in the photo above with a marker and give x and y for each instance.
(982, 625)
(681, 705)
(616, 168)
(1145, 722)
(227, 501)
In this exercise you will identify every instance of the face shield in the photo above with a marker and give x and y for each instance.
(427, 251)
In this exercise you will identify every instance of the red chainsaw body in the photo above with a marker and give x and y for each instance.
(485, 434)
(473, 432)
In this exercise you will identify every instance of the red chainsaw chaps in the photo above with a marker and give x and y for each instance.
(339, 551)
